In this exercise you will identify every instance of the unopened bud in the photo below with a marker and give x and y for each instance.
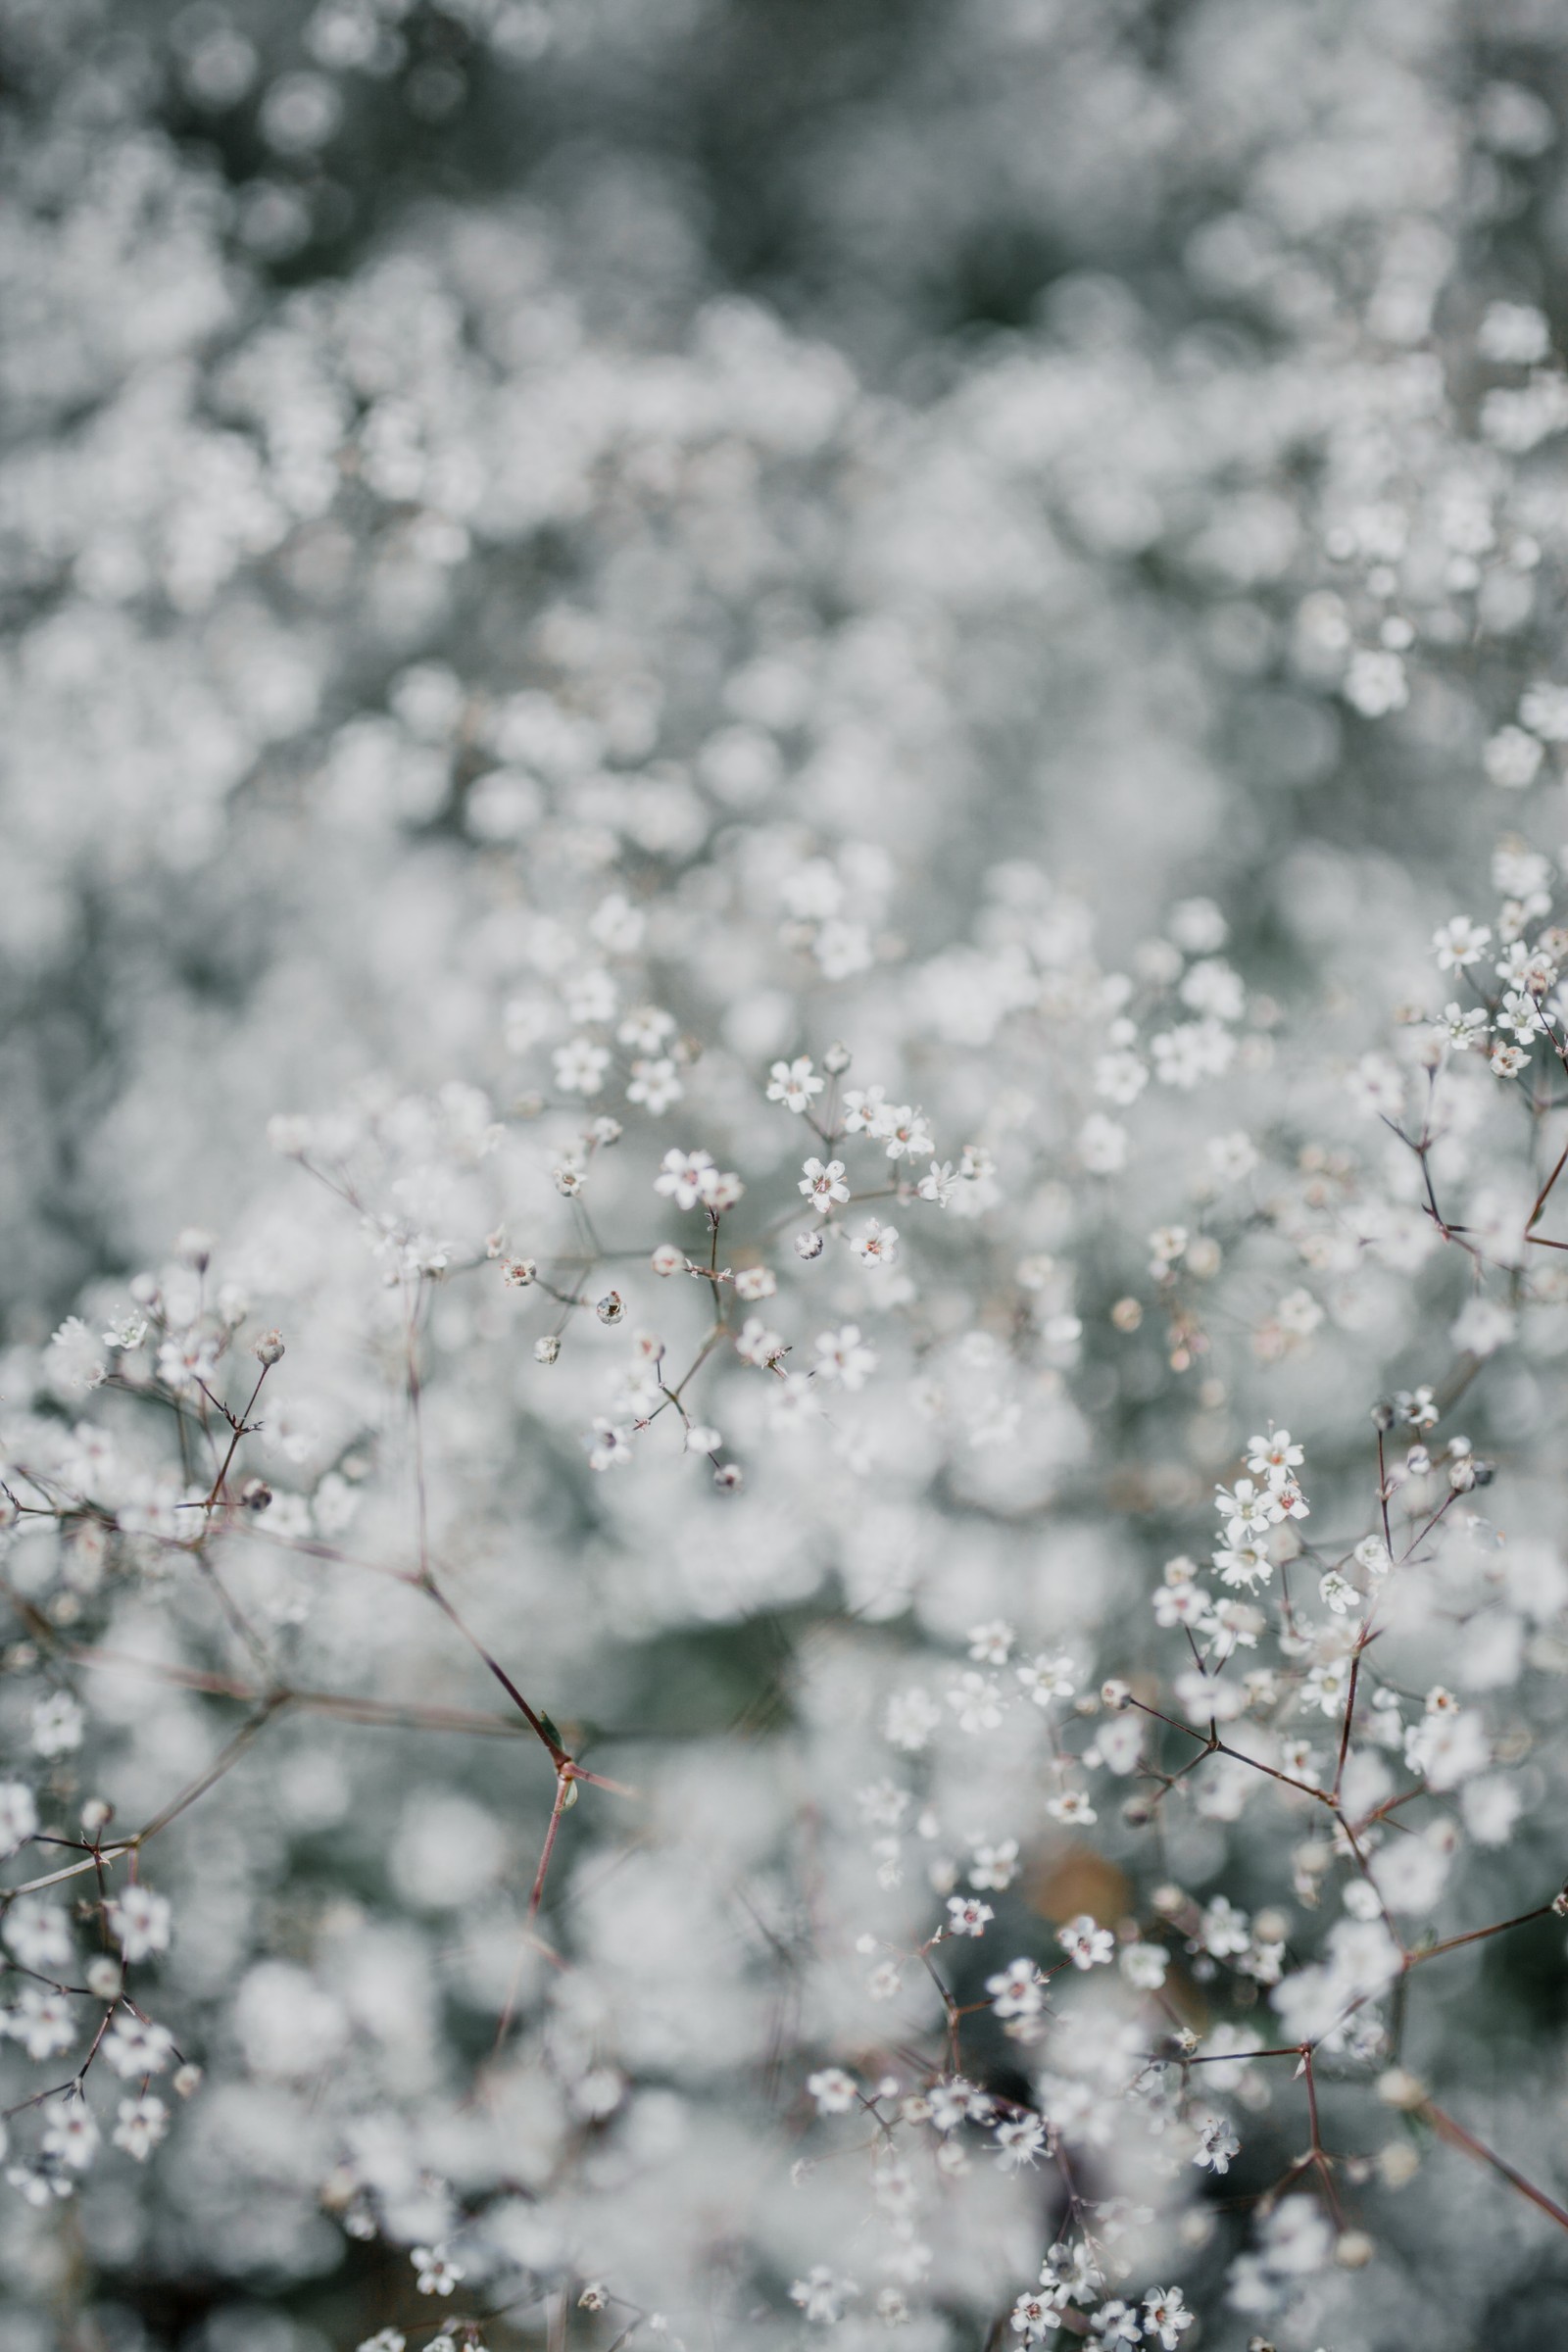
(729, 1478)
(610, 1308)
(808, 1246)
(103, 1978)
(836, 1060)
(1353, 2249)
(546, 1349)
(518, 1272)
(255, 1494)
(269, 1348)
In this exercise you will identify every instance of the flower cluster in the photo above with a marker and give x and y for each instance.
(837, 1605)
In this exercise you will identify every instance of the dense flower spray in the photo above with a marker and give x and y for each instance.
(835, 1608)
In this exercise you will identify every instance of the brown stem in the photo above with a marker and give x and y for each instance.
(1458, 2137)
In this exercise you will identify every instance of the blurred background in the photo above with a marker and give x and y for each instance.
(1036, 464)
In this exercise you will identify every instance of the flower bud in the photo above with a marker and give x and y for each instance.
(269, 1348)
(547, 1348)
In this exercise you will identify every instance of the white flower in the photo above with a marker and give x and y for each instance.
(1072, 1809)
(39, 1932)
(822, 1183)
(1375, 682)
(877, 1245)
(686, 1178)
(139, 1921)
(1511, 759)
(1449, 1746)
(609, 1447)
(1460, 943)
(1019, 2141)
(1102, 1144)
(821, 2296)
(1482, 1326)
(844, 1356)
(1049, 1675)
(134, 2046)
(1034, 2319)
(1017, 1990)
(991, 1643)
(1166, 2315)
(976, 1700)
(654, 1085)
(141, 2126)
(71, 2137)
(905, 1134)
(42, 2021)
(995, 1866)
(1232, 1157)
(794, 1083)
(1377, 1086)
(968, 1915)
(580, 1066)
(833, 2090)
(911, 1718)
(436, 2271)
(74, 1360)
(1086, 1944)
(865, 1112)
(1461, 1029)
(1327, 1686)
(1217, 2143)
(1223, 1931)
(18, 1816)
(939, 1183)
(56, 1724)
(755, 1344)
(1274, 1457)
(1144, 1965)
(1120, 1077)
